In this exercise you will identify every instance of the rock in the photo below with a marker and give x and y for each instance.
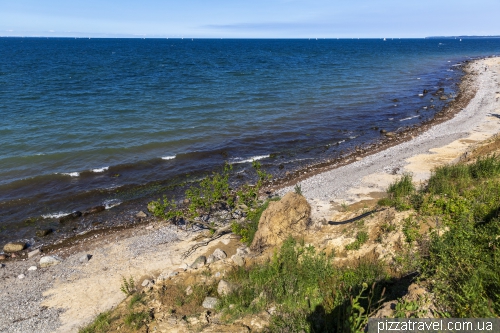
(238, 260)
(184, 266)
(271, 310)
(43, 232)
(34, 253)
(70, 217)
(224, 288)
(211, 259)
(146, 283)
(174, 273)
(218, 274)
(383, 131)
(49, 261)
(2, 265)
(209, 302)
(85, 258)
(21, 276)
(287, 217)
(199, 262)
(241, 252)
(141, 214)
(93, 210)
(32, 268)
(219, 254)
(443, 98)
(14, 247)
(189, 290)
(390, 134)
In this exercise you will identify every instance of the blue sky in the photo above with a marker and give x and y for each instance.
(249, 18)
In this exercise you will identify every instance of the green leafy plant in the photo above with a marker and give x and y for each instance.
(128, 286)
(411, 229)
(298, 189)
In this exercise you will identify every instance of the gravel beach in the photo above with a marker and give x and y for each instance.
(66, 296)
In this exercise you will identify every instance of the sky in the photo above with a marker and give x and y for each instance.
(249, 18)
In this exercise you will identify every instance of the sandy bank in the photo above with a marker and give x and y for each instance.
(62, 298)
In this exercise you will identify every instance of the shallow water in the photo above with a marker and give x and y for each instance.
(104, 121)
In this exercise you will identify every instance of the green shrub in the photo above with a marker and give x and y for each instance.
(361, 238)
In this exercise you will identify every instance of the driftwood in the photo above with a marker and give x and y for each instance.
(218, 233)
(357, 217)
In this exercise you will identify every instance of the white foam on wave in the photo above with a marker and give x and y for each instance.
(55, 215)
(168, 157)
(111, 203)
(408, 118)
(71, 174)
(100, 169)
(251, 159)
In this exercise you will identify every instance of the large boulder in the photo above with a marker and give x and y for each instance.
(287, 217)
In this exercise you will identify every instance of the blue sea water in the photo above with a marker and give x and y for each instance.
(85, 121)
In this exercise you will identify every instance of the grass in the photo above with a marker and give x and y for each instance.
(309, 293)
(461, 263)
(400, 193)
(100, 325)
(136, 320)
(361, 238)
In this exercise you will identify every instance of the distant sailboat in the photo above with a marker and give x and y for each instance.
(385, 40)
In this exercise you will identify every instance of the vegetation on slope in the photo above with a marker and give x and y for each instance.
(305, 291)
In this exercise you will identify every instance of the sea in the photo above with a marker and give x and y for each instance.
(119, 122)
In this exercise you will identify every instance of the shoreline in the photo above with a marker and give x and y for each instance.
(442, 141)
(64, 297)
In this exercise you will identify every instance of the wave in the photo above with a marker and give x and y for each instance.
(111, 203)
(408, 118)
(54, 215)
(239, 160)
(71, 174)
(100, 169)
(168, 157)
